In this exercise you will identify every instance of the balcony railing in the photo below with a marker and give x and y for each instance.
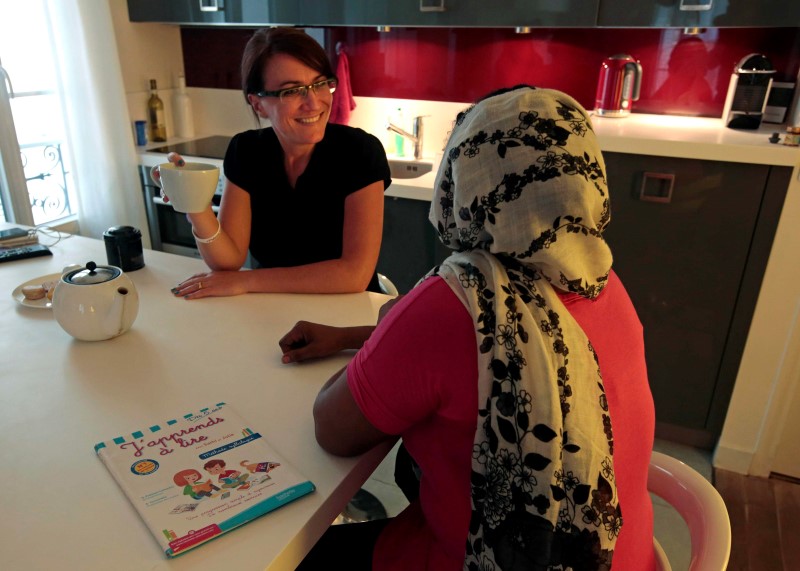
(48, 181)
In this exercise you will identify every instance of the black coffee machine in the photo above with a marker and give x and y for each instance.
(748, 92)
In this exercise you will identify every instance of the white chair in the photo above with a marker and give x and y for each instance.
(700, 506)
(387, 286)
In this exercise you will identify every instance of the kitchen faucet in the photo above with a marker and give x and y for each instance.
(415, 137)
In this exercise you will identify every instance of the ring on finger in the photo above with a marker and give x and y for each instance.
(199, 285)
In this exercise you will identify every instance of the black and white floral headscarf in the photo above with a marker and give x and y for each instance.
(521, 196)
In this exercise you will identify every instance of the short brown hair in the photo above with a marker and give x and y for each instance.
(211, 463)
(268, 42)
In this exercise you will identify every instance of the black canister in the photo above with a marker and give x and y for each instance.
(124, 247)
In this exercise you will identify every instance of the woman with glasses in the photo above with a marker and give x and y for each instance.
(303, 196)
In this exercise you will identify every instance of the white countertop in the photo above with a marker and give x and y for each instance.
(693, 138)
(62, 508)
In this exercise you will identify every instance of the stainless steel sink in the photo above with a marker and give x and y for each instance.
(409, 168)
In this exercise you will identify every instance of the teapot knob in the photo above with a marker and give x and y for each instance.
(91, 266)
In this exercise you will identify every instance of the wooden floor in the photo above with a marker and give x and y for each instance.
(765, 521)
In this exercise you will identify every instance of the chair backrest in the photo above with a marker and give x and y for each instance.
(700, 506)
(387, 286)
(662, 561)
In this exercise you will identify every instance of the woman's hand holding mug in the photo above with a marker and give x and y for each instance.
(189, 187)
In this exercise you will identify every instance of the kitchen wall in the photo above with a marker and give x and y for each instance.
(682, 74)
(437, 71)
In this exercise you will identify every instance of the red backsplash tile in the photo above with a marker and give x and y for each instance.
(685, 75)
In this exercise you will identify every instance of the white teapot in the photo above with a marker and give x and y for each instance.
(94, 303)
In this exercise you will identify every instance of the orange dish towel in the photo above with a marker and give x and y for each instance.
(343, 102)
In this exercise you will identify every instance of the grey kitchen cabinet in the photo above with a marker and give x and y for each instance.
(410, 246)
(450, 13)
(698, 13)
(470, 13)
(692, 257)
(215, 12)
(412, 13)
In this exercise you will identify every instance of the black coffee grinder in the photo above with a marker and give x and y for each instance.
(748, 92)
(124, 247)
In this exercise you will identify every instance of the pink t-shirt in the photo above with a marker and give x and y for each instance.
(416, 376)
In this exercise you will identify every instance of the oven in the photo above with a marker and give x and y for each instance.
(171, 231)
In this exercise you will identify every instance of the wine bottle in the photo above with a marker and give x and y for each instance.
(155, 112)
(182, 103)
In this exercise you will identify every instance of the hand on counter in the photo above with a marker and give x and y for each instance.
(308, 340)
(211, 284)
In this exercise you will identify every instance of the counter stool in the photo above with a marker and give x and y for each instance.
(387, 286)
(363, 507)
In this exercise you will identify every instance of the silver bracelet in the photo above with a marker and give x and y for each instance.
(209, 239)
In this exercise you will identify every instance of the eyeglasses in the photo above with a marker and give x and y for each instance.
(301, 91)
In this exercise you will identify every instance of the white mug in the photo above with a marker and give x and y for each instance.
(190, 187)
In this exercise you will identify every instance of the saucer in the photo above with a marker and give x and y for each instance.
(43, 303)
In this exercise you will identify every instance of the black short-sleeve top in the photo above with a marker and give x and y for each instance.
(304, 224)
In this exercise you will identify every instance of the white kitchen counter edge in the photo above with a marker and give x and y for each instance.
(693, 138)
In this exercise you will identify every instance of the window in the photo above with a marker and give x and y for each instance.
(36, 186)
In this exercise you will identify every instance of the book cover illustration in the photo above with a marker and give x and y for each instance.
(195, 477)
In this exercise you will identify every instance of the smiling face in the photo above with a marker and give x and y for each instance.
(300, 122)
(216, 469)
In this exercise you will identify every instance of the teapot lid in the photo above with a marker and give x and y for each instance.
(92, 274)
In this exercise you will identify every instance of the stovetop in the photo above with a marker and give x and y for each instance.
(210, 147)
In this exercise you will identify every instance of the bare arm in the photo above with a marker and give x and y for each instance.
(229, 250)
(340, 426)
(352, 272)
(230, 231)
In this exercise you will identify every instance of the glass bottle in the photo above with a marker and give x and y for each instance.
(155, 113)
(184, 124)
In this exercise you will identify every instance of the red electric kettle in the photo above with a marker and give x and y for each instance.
(619, 85)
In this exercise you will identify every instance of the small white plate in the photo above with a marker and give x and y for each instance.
(43, 303)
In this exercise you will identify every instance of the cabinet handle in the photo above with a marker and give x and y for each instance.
(211, 5)
(431, 5)
(695, 5)
(657, 187)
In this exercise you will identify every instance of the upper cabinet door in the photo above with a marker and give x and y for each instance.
(472, 13)
(157, 11)
(698, 13)
(449, 13)
(215, 12)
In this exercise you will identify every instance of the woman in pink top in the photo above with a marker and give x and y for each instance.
(514, 373)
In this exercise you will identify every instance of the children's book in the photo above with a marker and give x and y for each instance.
(195, 477)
